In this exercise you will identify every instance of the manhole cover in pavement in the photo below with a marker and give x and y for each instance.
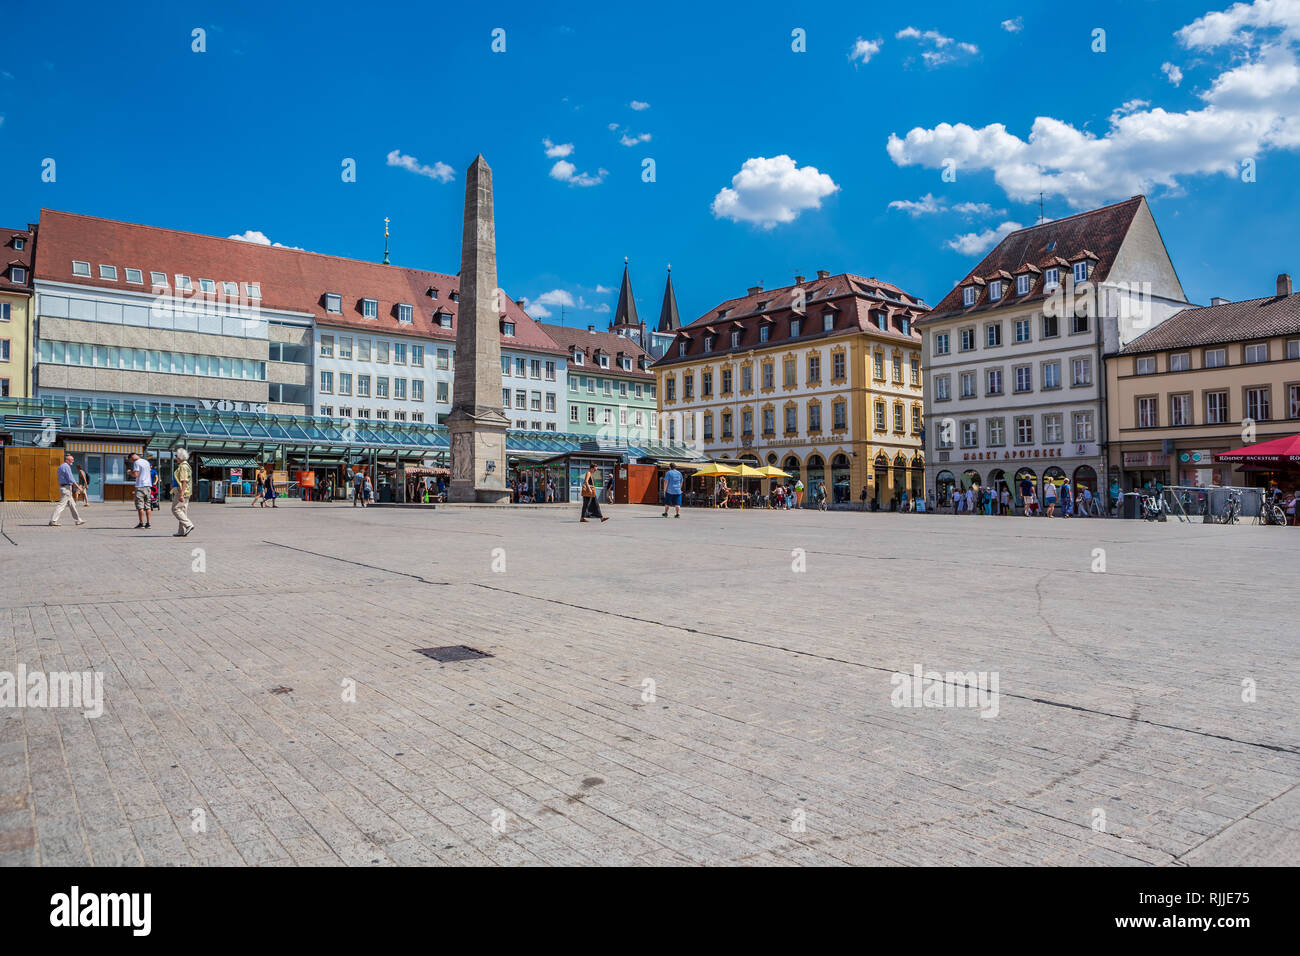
(457, 653)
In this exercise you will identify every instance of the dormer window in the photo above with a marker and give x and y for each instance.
(108, 272)
(431, 292)
(968, 296)
(80, 268)
(333, 303)
(578, 358)
(603, 360)
(207, 285)
(1081, 271)
(405, 313)
(995, 291)
(681, 349)
(1022, 285)
(723, 313)
(158, 279)
(1051, 278)
(627, 364)
(794, 328)
(828, 321)
(508, 328)
(762, 305)
(370, 308)
(905, 326)
(183, 283)
(134, 276)
(882, 321)
(708, 343)
(735, 340)
(20, 243)
(455, 297)
(444, 320)
(764, 333)
(18, 275)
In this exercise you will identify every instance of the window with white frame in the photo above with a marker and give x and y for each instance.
(1180, 362)
(1051, 278)
(1216, 408)
(1293, 349)
(1256, 352)
(967, 339)
(1081, 271)
(1053, 430)
(370, 308)
(1022, 285)
(1022, 330)
(1024, 378)
(1145, 365)
(993, 382)
(941, 343)
(1259, 404)
(1024, 430)
(80, 268)
(326, 381)
(1148, 411)
(794, 328)
(1082, 427)
(995, 290)
(1051, 375)
(997, 434)
(327, 346)
(968, 296)
(970, 434)
(106, 272)
(205, 285)
(942, 388)
(1081, 371)
(156, 278)
(405, 313)
(1216, 358)
(134, 276)
(967, 384)
(183, 283)
(993, 335)
(1180, 409)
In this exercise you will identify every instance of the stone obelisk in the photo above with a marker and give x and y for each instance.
(477, 423)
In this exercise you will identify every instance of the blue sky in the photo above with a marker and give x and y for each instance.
(250, 135)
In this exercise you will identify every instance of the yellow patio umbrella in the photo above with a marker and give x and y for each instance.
(748, 471)
(716, 470)
(771, 471)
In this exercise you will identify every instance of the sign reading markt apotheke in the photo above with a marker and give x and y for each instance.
(226, 405)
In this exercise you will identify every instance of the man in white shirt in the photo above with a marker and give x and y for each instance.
(143, 488)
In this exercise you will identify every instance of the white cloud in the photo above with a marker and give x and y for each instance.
(929, 205)
(864, 50)
(943, 49)
(602, 290)
(639, 105)
(771, 191)
(260, 239)
(926, 205)
(613, 127)
(566, 172)
(603, 307)
(557, 150)
(977, 243)
(1251, 108)
(557, 297)
(627, 140)
(1014, 25)
(1174, 73)
(439, 171)
(536, 311)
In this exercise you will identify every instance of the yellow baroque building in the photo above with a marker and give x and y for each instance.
(16, 313)
(821, 379)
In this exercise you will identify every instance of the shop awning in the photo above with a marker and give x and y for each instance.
(1279, 451)
(103, 447)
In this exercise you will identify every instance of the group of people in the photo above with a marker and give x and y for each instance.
(72, 479)
(264, 489)
(790, 495)
(528, 488)
(1060, 499)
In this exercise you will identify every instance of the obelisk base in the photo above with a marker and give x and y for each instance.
(478, 458)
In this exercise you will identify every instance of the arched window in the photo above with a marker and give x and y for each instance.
(816, 470)
(840, 479)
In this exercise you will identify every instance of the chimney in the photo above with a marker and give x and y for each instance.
(591, 329)
(1218, 300)
(798, 280)
(754, 289)
(823, 274)
(1284, 284)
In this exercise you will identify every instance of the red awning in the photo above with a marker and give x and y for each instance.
(1278, 451)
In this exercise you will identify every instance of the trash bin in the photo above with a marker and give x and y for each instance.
(248, 489)
(205, 490)
(218, 492)
(1130, 505)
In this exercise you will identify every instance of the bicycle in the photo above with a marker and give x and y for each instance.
(1231, 512)
(1270, 512)
(1154, 508)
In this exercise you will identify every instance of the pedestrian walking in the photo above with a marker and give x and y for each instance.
(67, 482)
(590, 501)
(259, 488)
(358, 486)
(367, 493)
(270, 486)
(672, 490)
(143, 488)
(1049, 497)
(1006, 501)
(82, 491)
(181, 486)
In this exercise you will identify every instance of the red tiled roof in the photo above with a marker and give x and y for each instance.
(1096, 234)
(611, 343)
(9, 256)
(854, 300)
(291, 280)
(1217, 324)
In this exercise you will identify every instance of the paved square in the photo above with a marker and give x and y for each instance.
(265, 701)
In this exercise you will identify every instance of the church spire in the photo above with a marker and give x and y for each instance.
(669, 320)
(625, 314)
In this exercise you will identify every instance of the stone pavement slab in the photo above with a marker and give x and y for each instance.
(711, 690)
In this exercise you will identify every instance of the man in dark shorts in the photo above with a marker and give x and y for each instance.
(672, 488)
